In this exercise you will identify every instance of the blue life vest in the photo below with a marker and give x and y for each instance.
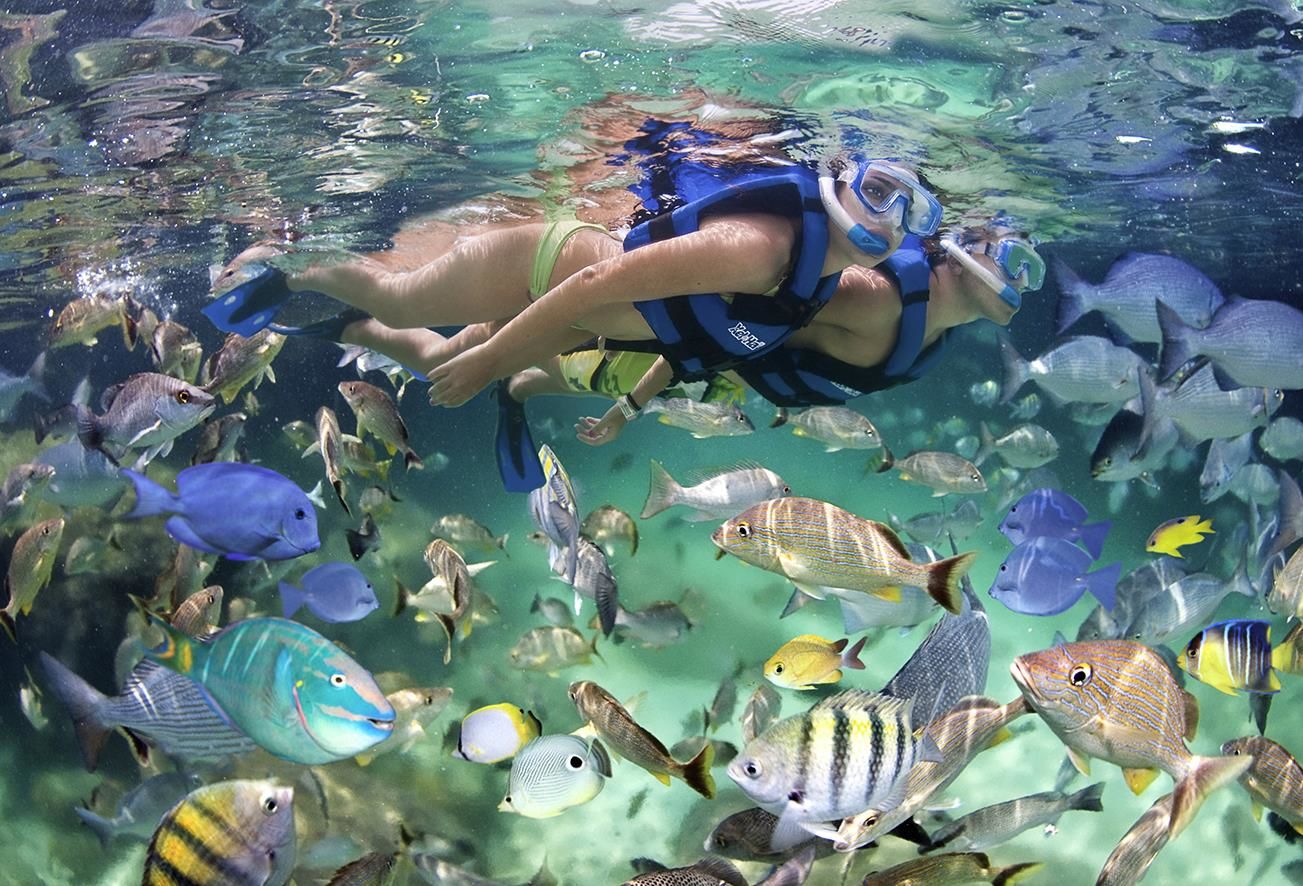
(803, 377)
(706, 333)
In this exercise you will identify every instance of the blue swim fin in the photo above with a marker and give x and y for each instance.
(517, 455)
(329, 328)
(249, 307)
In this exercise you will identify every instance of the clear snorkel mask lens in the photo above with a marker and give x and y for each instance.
(1013, 257)
(880, 185)
(889, 193)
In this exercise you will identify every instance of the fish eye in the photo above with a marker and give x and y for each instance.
(870, 821)
(1106, 461)
(575, 762)
(429, 699)
(269, 805)
(778, 668)
(300, 514)
(752, 769)
(974, 476)
(1004, 567)
(787, 490)
(183, 396)
(1079, 675)
(338, 680)
(722, 842)
(744, 529)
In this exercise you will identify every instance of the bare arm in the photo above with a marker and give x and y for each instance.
(596, 432)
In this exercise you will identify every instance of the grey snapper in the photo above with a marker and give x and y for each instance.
(1001, 822)
(1081, 369)
(1132, 287)
(1253, 342)
(834, 426)
(147, 411)
(942, 472)
(1026, 446)
(1203, 410)
(701, 419)
(716, 496)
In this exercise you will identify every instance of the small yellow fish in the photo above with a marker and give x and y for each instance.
(807, 660)
(1173, 535)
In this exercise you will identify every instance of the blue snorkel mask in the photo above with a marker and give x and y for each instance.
(882, 187)
(1017, 260)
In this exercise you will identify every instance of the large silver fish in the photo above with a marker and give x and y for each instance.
(942, 472)
(1205, 411)
(1129, 293)
(1251, 342)
(834, 426)
(1001, 822)
(1082, 369)
(701, 419)
(716, 496)
(147, 411)
(1025, 446)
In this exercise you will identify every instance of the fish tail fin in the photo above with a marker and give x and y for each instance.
(292, 598)
(90, 432)
(338, 486)
(1206, 774)
(696, 772)
(151, 499)
(1093, 535)
(36, 376)
(851, 657)
(99, 825)
(412, 461)
(130, 329)
(1088, 798)
(85, 706)
(1291, 514)
(1016, 369)
(943, 580)
(780, 417)
(501, 542)
(1102, 584)
(449, 629)
(7, 622)
(662, 492)
(592, 649)
(401, 598)
(1015, 873)
(1072, 296)
(987, 446)
(1177, 349)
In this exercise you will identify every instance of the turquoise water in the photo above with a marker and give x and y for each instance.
(143, 146)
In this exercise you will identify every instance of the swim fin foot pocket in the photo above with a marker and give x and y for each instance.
(329, 329)
(248, 308)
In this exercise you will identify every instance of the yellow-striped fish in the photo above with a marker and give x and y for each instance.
(1274, 779)
(807, 660)
(1233, 654)
(1173, 535)
(233, 833)
(817, 545)
(1117, 700)
(851, 751)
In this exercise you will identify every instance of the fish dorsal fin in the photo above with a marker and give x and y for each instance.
(891, 538)
(1191, 715)
(974, 703)
(602, 757)
(863, 700)
(724, 870)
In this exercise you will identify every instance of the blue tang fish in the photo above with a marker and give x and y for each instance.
(1045, 576)
(243, 512)
(288, 688)
(1053, 513)
(334, 592)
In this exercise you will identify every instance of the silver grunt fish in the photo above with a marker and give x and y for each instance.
(717, 496)
(241, 361)
(701, 419)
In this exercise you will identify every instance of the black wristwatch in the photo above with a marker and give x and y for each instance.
(628, 407)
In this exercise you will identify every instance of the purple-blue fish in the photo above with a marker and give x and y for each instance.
(1046, 576)
(1052, 513)
(242, 512)
(333, 592)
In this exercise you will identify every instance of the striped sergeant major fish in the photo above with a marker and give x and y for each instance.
(1117, 700)
(156, 707)
(233, 833)
(849, 752)
(816, 544)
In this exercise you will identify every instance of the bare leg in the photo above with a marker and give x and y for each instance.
(421, 349)
(536, 381)
(480, 279)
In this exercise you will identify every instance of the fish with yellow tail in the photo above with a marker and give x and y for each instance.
(233, 833)
(817, 545)
(807, 660)
(849, 752)
(1117, 700)
(617, 727)
(1236, 654)
(1274, 779)
(1173, 535)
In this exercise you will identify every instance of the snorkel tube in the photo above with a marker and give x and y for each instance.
(1007, 293)
(861, 237)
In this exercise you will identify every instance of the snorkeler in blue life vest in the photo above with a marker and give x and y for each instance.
(714, 283)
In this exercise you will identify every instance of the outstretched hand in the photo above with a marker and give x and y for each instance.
(598, 432)
(461, 377)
